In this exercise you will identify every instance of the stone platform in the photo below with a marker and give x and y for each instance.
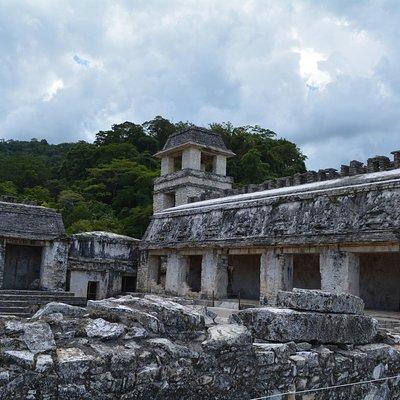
(134, 348)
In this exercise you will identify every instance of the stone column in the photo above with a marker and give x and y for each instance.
(191, 158)
(53, 272)
(276, 273)
(167, 165)
(147, 273)
(177, 271)
(2, 261)
(340, 272)
(219, 164)
(214, 275)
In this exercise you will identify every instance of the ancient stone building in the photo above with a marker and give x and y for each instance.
(33, 248)
(102, 264)
(40, 263)
(193, 162)
(338, 231)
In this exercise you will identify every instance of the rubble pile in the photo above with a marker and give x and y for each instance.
(151, 347)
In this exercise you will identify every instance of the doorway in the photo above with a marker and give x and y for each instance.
(22, 267)
(128, 284)
(92, 289)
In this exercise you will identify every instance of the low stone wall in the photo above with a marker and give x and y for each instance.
(150, 347)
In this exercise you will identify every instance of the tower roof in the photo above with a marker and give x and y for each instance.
(195, 136)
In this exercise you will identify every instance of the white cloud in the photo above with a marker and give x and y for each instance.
(71, 68)
(52, 89)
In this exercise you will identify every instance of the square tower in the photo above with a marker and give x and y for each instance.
(193, 162)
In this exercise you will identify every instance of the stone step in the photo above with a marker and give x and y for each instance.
(13, 309)
(23, 303)
(35, 292)
(34, 298)
(14, 314)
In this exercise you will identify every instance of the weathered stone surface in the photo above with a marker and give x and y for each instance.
(317, 300)
(286, 216)
(22, 358)
(72, 363)
(173, 366)
(227, 335)
(284, 325)
(111, 309)
(60, 308)
(173, 315)
(44, 363)
(38, 337)
(104, 329)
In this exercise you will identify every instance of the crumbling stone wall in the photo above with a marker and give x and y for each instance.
(142, 348)
(101, 257)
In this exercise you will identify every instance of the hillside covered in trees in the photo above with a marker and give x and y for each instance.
(107, 185)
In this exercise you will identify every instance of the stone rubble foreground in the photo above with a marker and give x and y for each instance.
(154, 348)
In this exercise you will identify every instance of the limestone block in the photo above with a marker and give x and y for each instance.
(60, 308)
(173, 349)
(227, 335)
(103, 329)
(73, 363)
(23, 358)
(317, 300)
(38, 337)
(284, 325)
(110, 310)
(44, 363)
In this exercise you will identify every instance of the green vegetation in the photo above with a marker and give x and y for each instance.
(107, 185)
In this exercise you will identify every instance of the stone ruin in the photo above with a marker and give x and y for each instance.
(151, 347)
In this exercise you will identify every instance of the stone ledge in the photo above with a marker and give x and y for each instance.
(317, 300)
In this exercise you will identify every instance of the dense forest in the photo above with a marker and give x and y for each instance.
(107, 185)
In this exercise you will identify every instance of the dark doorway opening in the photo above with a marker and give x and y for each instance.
(92, 289)
(194, 276)
(244, 276)
(306, 273)
(22, 267)
(379, 281)
(128, 284)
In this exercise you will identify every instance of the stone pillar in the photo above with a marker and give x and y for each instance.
(167, 165)
(177, 271)
(214, 275)
(219, 165)
(53, 272)
(147, 273)
(276, 273)
(191, 158)
(340, 272)
(2, 261)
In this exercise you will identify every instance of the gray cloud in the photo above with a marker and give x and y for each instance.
(324, 74)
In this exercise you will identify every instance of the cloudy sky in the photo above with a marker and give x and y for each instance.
(325, 74)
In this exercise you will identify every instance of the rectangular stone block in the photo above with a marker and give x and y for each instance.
(317, 300)
(285, 325)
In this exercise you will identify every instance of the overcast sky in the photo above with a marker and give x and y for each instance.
(325, 74)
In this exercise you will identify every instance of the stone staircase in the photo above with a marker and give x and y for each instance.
(24, 303)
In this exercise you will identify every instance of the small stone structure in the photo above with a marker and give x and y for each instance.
(151, 347)
(33, 248)
(193, 162)
(329, 230)
(36, 254)
(102, 263)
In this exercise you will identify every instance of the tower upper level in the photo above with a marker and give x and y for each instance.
(193, 162)
(194, 148)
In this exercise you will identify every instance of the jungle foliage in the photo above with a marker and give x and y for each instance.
(107, 185)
